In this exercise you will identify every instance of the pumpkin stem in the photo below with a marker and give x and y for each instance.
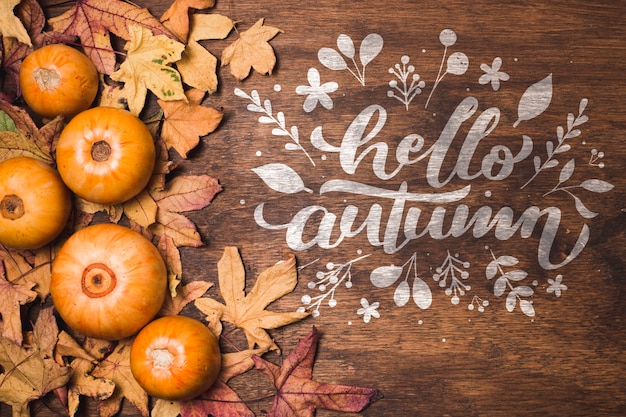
(11, 207)
(98, 280)
(100, 151)
(47, 79)
(161, 358)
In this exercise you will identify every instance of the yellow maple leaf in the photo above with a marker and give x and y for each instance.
(10, 25)
(248, 311)
(198, 67)
(146, 68)
(184, 122)
(251, 51)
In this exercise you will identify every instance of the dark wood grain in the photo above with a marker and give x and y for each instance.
(567, 360)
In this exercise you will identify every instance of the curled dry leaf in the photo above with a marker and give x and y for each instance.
(10, 25)
(176, 17)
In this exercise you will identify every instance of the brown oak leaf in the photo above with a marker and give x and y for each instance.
(116, 367)
(251, 51)
(248, 311)
(297, 395)
(10, 25)
(93, 20)
(176, 18)
(30, 372)
(185, 121)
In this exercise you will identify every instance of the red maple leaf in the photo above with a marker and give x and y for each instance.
(297, 395)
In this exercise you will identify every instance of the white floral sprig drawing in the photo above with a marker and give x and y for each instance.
(457, 63)
(256, 106)
(556, 286)
(505, 281)
(368, 310)
(595, 157)
(327, 282)
(406, 93)
(493, 74)
(369, 49)
(385, 276)
(593, 185)
(552, 149)
(316, 92)
(450, 269)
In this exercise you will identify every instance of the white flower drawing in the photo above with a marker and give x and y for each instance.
(316, 92)
(555, 285)
(493, 74)
(368, 310)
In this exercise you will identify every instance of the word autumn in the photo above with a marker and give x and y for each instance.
(405, 221)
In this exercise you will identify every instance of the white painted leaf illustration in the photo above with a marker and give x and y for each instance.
(535, 100)
(527, 308)
(516, 275)
(582, 210)
(292, 146)
(597, 186)
(384, 276)
(281, 178)
(500, 286)
(345, 45)
(331, 59)
(492, 269)
(567, 171)
(511, 301)
(507, 260)
(422, 295)
(370, 48)
(402, 294)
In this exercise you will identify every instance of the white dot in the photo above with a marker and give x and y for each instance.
(443, 340)
(420, 322)
(359, 251)
(434, 114)
(423, 51)
(242, 202)
(349, 323)
(323, 157)
(487, 193)
(277, 87)
(515, 59)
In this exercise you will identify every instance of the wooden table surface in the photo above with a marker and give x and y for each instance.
(541, 333)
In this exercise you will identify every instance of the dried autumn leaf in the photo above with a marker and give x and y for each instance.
(13, 296)
(220, 400)
(251, 50)
(176, 18)
(141, 209)
(30, 372)
(10, 25)
(116, 367)
(82, 381)
(171, 255)
(185, 121)
(188, 293)
(297, 395)
(197, 66)
(92, 20)
(146, 68)
(248, 312)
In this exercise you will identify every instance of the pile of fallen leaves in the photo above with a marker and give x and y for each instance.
(163, 62)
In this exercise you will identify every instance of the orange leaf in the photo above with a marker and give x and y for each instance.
(185, 122)
(92, 20)
(251, 50)
(185, 295)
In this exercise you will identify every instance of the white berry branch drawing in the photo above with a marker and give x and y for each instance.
(407, 92)
(327, 283)
(385, 276)
(256, 106)
(450, 269)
